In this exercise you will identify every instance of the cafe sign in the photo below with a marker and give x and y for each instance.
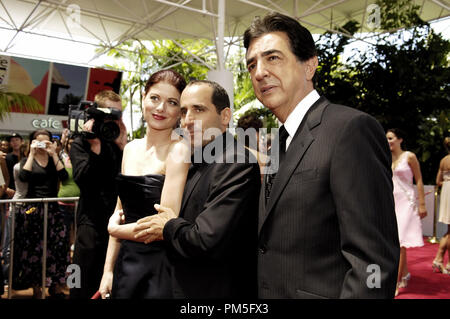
(47, 123)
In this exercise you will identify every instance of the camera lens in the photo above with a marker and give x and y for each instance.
(109, 131)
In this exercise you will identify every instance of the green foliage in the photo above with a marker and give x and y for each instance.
(23, 102)
(168, 54)
(243, 89)
(333, 78)
(402, 80)
(397, 14)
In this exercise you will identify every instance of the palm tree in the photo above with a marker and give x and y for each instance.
(10, 99)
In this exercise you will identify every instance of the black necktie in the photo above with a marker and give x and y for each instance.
(282, 137)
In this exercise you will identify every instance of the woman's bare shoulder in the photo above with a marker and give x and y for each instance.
(134, 143)
(445, 163)
(132, 147)
(180, 150)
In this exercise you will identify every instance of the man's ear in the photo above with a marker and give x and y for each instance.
(225, 116)
(311, 67)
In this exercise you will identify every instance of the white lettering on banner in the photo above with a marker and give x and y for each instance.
(46, 123)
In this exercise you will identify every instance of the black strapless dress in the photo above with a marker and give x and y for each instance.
(141, 270)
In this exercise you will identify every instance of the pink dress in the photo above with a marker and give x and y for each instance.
(406, 210)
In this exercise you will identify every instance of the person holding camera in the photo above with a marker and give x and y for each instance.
(96, 156)
(42, 170)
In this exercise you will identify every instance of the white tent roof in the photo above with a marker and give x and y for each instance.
(110, 22)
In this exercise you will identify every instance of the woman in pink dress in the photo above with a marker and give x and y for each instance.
(405, 166)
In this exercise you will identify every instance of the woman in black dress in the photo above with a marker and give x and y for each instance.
(43, 171)
(154, 170)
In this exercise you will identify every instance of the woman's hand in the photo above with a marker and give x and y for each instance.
(116, 219)
(51, 148)
(106, 285)
(33, 147)
(422, 212)
(64, 136)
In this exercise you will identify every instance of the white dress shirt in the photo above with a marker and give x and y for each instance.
(296, 117)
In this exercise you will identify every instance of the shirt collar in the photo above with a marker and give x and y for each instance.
(296, 117)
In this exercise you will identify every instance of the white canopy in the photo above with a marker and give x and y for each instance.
(110, 22)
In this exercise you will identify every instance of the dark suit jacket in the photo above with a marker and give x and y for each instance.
(330, 214)
(213, 244)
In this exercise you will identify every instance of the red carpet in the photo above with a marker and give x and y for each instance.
(424, 284)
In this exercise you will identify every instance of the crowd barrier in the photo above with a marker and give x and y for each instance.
(45, 201)
(432, 239)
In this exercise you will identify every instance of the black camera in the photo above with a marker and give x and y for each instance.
(104, 126)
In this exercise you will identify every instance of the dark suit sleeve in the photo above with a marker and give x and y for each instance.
(85, 163)
(232, 198)
(361, 184)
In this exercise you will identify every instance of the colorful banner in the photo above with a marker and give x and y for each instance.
(4, 68)
(100, 79)
(29, 77)
(68, 85)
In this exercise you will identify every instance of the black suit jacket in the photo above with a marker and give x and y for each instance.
(330, 220)
(213, 244)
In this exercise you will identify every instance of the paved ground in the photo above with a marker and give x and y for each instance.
(25, 294)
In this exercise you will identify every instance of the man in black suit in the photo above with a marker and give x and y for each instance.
(327, 225)
(212, 243)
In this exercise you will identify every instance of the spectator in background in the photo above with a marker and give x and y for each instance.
(42, 170)
(59, 146)
(96, 163)
(405, 166)
(4, 146)
(4, 181)
(247, 123)
(443, 179)
(15, 141)
(68, 188)
(4, 176)
(20, 192)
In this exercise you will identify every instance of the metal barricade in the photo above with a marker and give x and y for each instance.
(434, 239)
(45, 201)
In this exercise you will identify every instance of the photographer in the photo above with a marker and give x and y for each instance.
(42, 170)
(96, 157)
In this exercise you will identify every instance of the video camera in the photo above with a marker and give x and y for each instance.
(104, 126)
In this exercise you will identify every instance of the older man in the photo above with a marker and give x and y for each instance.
(327, 225)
